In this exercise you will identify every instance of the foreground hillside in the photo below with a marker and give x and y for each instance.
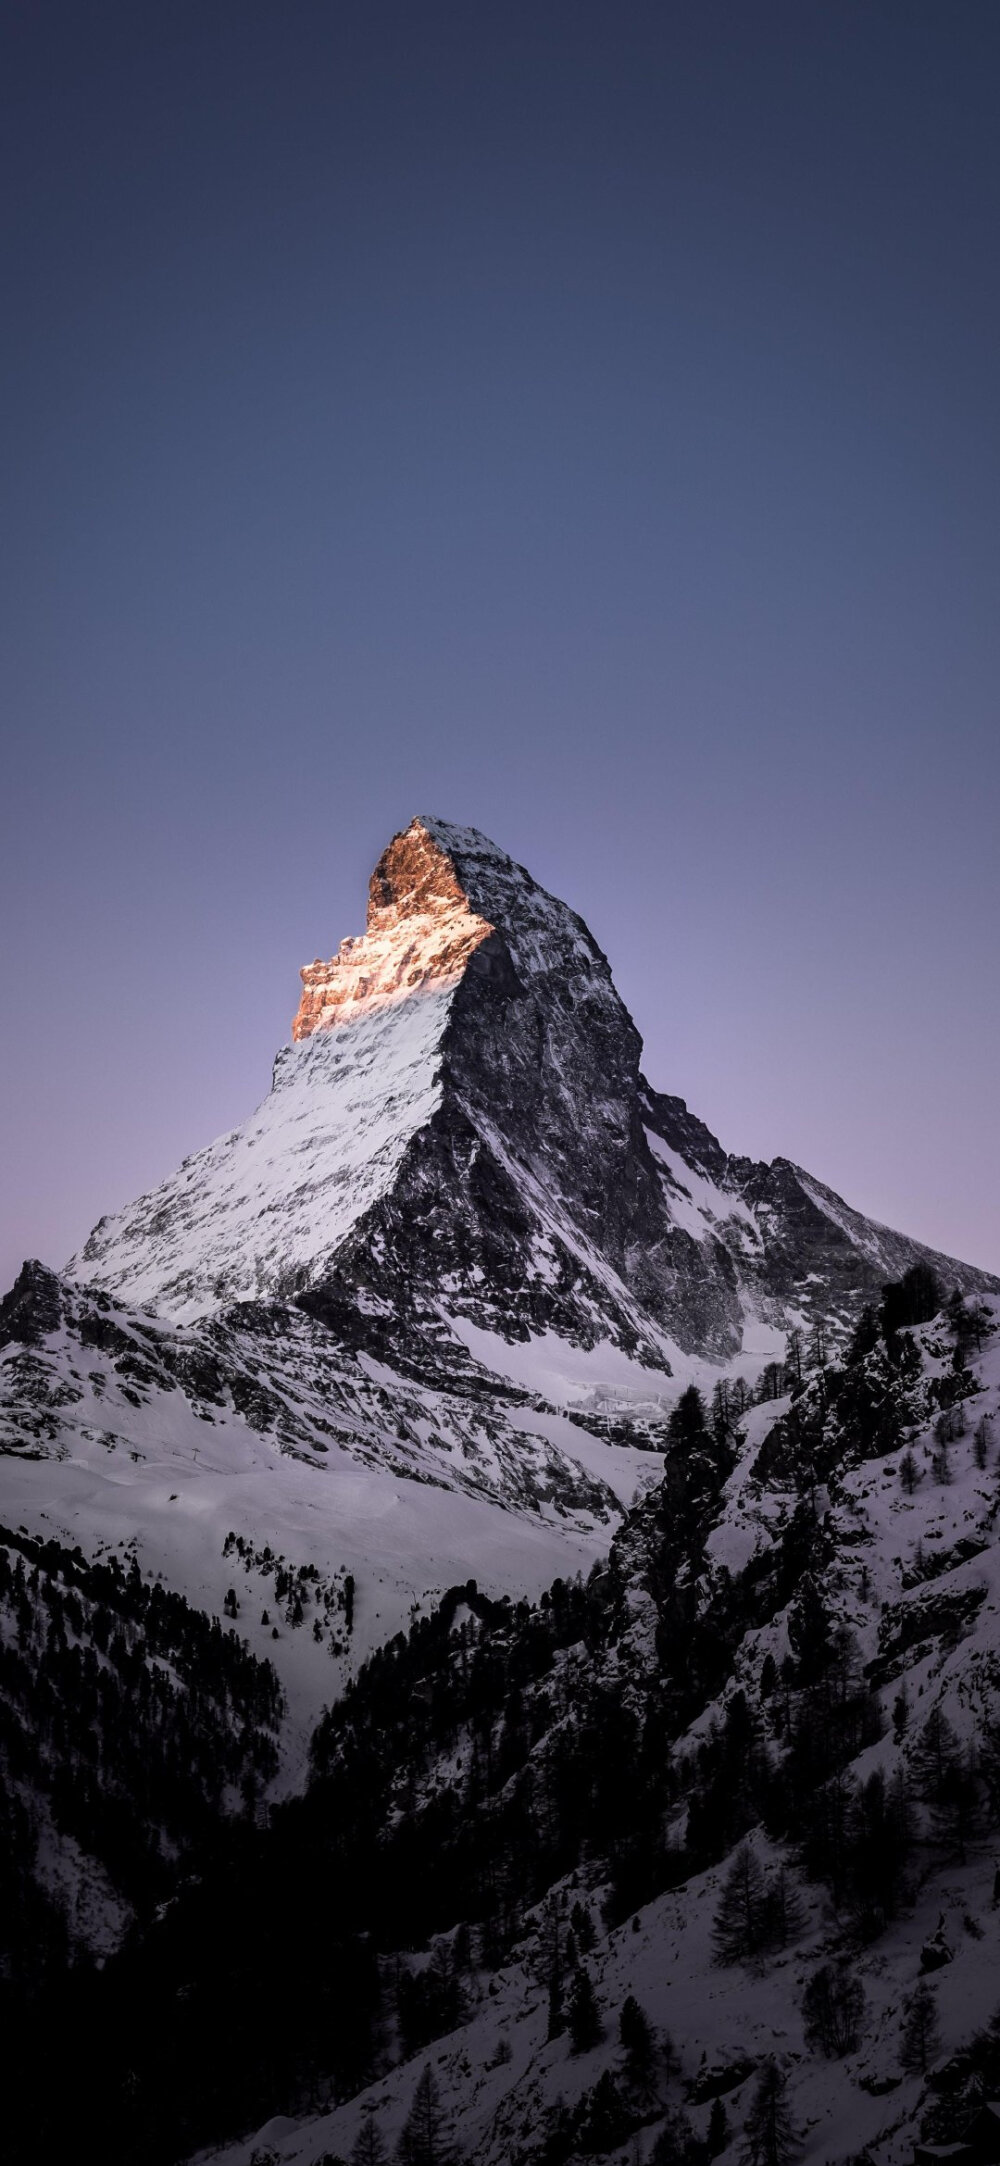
(748, 1777)
(720, 1818)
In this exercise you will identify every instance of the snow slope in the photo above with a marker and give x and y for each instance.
(119, 1433)
(261, 1210)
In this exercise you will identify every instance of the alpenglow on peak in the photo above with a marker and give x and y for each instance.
(437, 894)
(460, 1129)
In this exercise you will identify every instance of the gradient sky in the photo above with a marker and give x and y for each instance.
(577, 420)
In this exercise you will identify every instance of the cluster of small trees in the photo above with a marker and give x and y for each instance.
(833, 2010)
(297, 1588)
(758, 1911)
(626, 2095)
(431, 2001)
(131, 1715)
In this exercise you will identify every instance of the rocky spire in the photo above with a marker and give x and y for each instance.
(421, 932)
(460, 1128)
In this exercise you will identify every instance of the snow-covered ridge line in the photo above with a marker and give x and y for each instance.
(253, 1213)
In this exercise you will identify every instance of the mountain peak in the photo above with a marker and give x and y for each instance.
(462, 1117)
(421, 932)
(437, 894)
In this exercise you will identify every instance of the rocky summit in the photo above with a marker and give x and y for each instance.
(499, 1648)
(460, 1127)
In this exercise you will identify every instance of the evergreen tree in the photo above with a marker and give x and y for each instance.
(833, 2010)
(957, 1814)
(718, 2129)
(817, 1351)
(772, 1382)
(794, 1357)
(784, 1911)
(935, 1756)
(941, 1462)
(583, 1927)
(582, 2015)
(369, 2148)
(638, 2044)
(771, 2137)
(810, 1632)
(920, 2037)
(606, 2121)
(739, 1931)
(425, 2140)
(913, 1299)
(687, 1426)
(698, 1461)
(676, 2144)
(722, 1411)
(908, 1472)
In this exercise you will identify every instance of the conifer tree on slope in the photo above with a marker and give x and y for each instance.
(369, 2147)
(585, 2026)
(920, 2038)
(718, 2129)
(771, 2137)
(740, 1926)
(426, 2138)
(833, 2010)
(639, 2046)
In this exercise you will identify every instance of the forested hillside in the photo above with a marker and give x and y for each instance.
(767, 1730)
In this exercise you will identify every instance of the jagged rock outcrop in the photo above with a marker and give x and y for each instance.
(421, 934)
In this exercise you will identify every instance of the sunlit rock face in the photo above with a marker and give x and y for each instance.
(421, 934)
(459, 1136)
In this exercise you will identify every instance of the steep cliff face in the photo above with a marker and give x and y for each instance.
(460, 1130)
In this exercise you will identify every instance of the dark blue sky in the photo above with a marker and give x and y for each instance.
(577, 420)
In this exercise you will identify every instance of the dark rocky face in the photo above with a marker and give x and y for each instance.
(533, 1199)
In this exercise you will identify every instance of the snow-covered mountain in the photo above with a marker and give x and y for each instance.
(460, 1128)
(379, 1385)
(426, 1311)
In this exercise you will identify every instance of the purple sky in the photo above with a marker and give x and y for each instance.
(577, 420)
